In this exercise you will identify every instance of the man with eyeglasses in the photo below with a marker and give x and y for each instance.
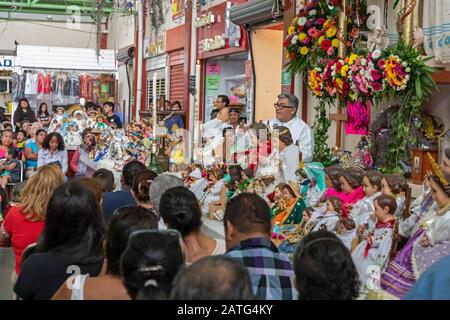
(286, 115)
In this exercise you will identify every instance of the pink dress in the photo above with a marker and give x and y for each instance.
(332, 192)
(351, 198)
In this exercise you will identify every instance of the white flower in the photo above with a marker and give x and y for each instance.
(408, 69)
(294, 40)
(407, 77)
(313, 12)
(302, 21)
(376, 54)
(363, 62)
(404, 64)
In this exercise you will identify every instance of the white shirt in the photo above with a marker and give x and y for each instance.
(289, 162)
(45, 158)
(301, 135)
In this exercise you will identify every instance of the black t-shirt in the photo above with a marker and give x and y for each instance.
(116, 120)
(43, 274)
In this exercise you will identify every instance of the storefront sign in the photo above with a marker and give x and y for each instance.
(154, 47)
(6, 62)
(218, 42)
(192, 90)
(205, 20)
(212, 87)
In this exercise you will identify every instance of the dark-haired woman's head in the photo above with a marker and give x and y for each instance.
(150, 263)
(24, 104)
(351, 179)
(125, 221)
(43, 109)
(53, 141)
(74, 225)
(141, 185)
(324, 269)
(180, 210)
(332, 175)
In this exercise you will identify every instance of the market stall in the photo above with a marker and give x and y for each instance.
(61, 76)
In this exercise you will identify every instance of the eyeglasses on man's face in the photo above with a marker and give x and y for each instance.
(282, 106)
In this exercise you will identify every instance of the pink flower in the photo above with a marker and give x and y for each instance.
(375, 75)
(330, 51)
(309, 23)
(320, 21)
(381, 64)
(376, 86)
(306, 40)
(313, 32)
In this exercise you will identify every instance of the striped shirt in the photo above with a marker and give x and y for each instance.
(270, 271)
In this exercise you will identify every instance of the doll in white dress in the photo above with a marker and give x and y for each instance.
(373, 253)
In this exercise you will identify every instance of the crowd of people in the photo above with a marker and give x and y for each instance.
(340, 232)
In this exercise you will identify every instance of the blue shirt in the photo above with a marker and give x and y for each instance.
(270, 271)
(434, 284)
(175, 119)
(115, 200)
(34, 148)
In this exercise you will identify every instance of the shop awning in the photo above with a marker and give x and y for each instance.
(61, 58)
(256, 12)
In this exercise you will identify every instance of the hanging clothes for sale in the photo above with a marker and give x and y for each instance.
(436, 29)
(3, 85)
(44, 83)
(87, 87)
(31, 83)
(58, 84)
(72, 86)
(18, 86)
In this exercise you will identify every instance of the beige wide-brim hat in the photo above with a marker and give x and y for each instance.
(295, 187)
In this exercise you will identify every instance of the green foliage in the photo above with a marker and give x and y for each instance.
(322, 153)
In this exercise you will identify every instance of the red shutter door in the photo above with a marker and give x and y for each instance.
(176, 76)
(176, 83)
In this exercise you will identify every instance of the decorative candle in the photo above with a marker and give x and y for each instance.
(155, 122)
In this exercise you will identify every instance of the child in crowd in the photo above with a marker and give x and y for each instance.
(9, 169)
(78, 162)
(352, 189)
(395, 185)
(330, 218)
(374, 252)
(6, 140)
(362, 209)
(20, 139)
